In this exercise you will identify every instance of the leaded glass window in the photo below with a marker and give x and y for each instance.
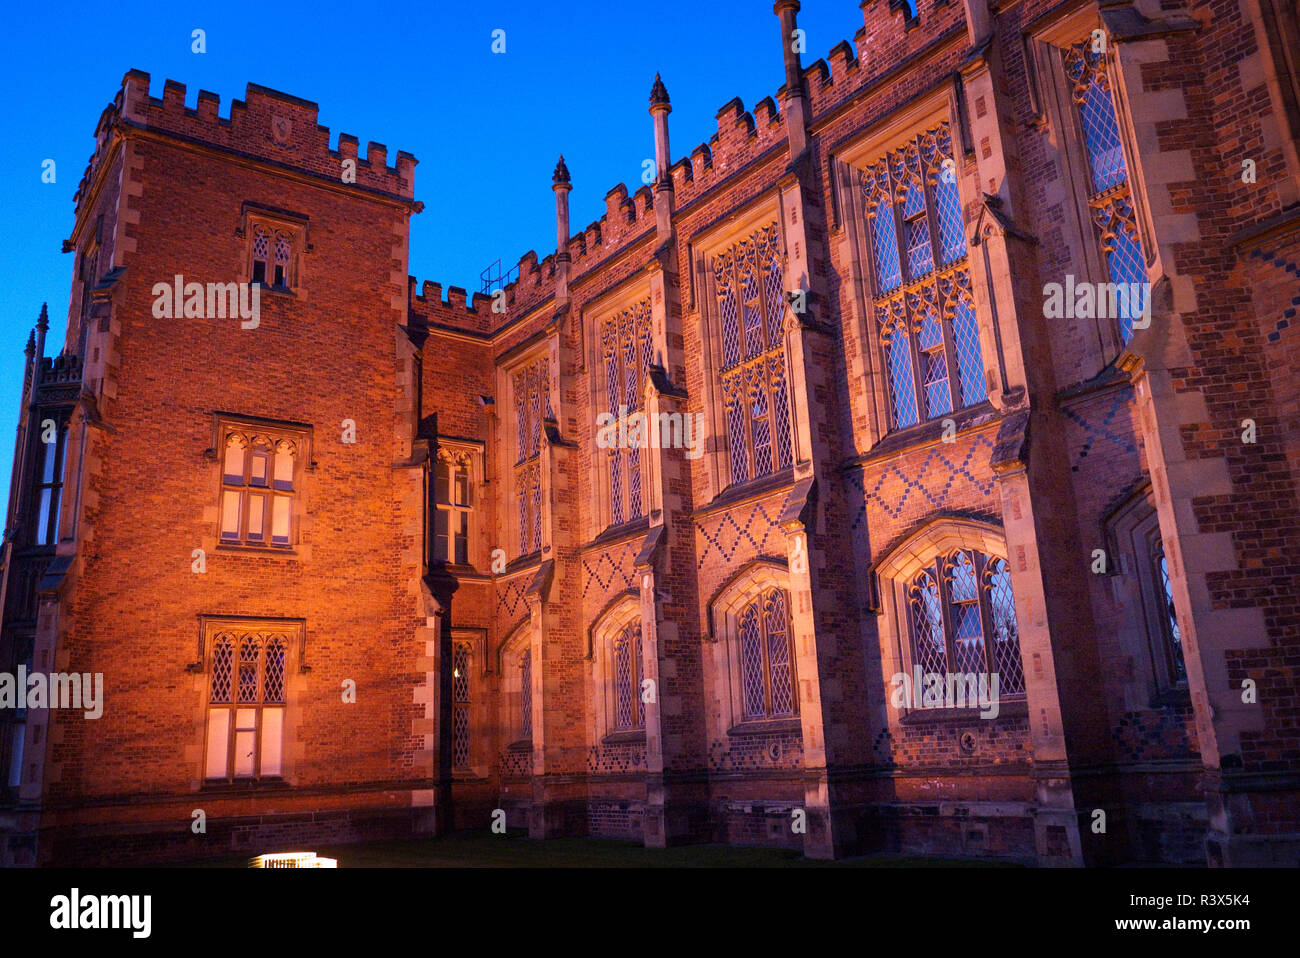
(962, 619)
(272, 256)
(1172, 644)
(767, 676)
(1109, 196)
(246, 702)
(629, 709)
(259, 478)
(532, 397)
(454, 504)
(460, 699)
(750, 288)
(924, 311)
(48, 490)
(526, 694)
(625, 345)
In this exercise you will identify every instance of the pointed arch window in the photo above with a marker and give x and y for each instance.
(925, 313)
(625, 346)
(749, 284)
(1110, 199)
(531, 384)
(460, 708)
(628, 669)
(963, 619)
(767, 674)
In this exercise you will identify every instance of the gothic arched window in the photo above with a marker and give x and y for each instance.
(767, 676)
(625, 345)
(628, 669)
(923, 304)
(1109, 196)
(750, 289)
(963, 619)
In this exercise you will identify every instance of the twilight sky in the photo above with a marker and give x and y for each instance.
(486, 128)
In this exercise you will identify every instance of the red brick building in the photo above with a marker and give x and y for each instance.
(969, 353)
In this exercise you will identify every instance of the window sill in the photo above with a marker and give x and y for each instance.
(624, 530)
(765, 727)
(523, 745)
(285, 291)
(243, 786)
(287, 552)
(749, 489)
(968, 417)
(626, 737)
(1014, 708)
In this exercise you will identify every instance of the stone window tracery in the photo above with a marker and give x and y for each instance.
(625, 344)
(1110, 200)
(749, 286)
(260, 476)
(925, 313)
(532, 390)
(962, 619)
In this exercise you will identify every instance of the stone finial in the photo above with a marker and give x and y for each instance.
(659, 95)
(31, 344)
(561, 174)
(43, 323)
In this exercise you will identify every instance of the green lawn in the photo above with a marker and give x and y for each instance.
(515, 850)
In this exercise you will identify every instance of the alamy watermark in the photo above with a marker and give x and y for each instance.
(1071, 300)
(182, 300)
(946, 690)
(58, 690)
(638, 430)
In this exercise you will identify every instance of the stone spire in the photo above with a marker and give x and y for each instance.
(560, 183)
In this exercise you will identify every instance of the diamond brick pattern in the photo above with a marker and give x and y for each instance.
(933, 481)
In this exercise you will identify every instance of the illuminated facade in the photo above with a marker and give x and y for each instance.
(364, 564)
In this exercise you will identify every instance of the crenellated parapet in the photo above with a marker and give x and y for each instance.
(266, 125)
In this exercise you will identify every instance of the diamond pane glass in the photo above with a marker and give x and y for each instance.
(758, 412)
(526, 694)
(884, 236)
(273, 681)
(639, 669)
(248, 670)
(1101, 134)
(460, 673)
(223, 655)
(751, 663)
(1006, 639)
(775, 292)
(900, 380)
(970, 359)
(777, 624)
(460, 736)
(781, 405)
(1128, 272)
(928, 648)
(616, 485)
(732, 388)
(730, 327)
(952, 237)
(623, 689)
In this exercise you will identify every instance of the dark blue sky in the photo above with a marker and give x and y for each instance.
(486, 128)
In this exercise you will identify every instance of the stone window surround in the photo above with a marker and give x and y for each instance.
(600, 510)
(622, 611)
(295, 225)
(295, 670)
(893, 572)
(452, 450)
(723, 679)
(849, 159)
(1053, 105)
(301, 434)
(763, 210)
